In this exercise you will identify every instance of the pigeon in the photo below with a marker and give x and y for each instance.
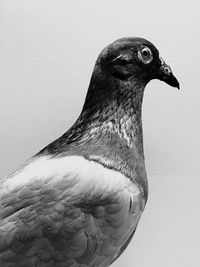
(78, 201)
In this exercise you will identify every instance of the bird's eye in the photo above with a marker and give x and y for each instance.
(146, 52)
(145, 55)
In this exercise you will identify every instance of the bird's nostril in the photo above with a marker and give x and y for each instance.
(167, 70)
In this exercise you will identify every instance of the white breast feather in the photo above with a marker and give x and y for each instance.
(88, 173)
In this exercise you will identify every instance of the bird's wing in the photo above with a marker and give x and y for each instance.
(65, 212)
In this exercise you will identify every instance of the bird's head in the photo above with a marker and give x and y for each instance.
(126, 65)
(135, 59)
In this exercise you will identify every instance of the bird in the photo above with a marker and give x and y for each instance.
(78, 201)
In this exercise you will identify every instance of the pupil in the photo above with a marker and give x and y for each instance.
(146, 53)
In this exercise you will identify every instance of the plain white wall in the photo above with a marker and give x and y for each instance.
(47, 53)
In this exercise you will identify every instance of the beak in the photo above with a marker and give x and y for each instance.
(165, 74)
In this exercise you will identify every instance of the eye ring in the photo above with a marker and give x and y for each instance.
(145, 55)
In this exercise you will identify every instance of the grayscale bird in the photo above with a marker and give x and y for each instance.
(77, 202)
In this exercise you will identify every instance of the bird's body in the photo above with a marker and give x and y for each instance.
(77, 213)
(78, 201)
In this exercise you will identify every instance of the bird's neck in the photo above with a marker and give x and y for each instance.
(118, 116)
(108, 119)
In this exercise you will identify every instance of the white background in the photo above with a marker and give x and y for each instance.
(47, 53)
